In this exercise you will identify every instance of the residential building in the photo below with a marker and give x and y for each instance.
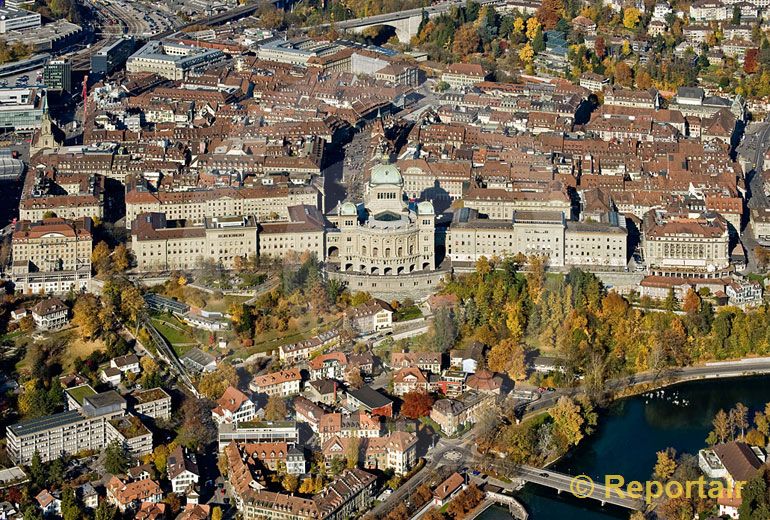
(370, 317)
(323, 391)
(357, 424)
(130, 495)
(127, 363)
(131, 433)
(274, 455)
(459, 75)
(50, 314)
(284, 383)
(484, 382)
(68, 432)
(49, 504)
(182, 470)
(308, 412)
(350, 493)
(448, 489)
(331, 365)
(152, 402)
(396, 451)
(233, 407)
(425, 361)
(410, 379)
(593, 82)
(301, 351)
(451, 415)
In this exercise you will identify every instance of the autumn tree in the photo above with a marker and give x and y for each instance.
(526, 54)
(416, 404)
(600, 47)
(691, 303)
(275, 409)
(213, 384)
(568, 421)
(623, 74)
(352, 452)
(466, 41)
(533, 28)
(631, 17)
(85, 312)
(721, 425)
(508, 357)
(739, 418)
(100, 257)
(666, 464)
(549, 13)
(121, 258)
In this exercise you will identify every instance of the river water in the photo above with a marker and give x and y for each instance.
(629, 435)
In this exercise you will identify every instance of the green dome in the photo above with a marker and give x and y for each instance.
(386, 174)
(425, 208)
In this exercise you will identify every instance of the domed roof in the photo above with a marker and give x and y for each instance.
(386, 174)
(425, 208)
(348, 208)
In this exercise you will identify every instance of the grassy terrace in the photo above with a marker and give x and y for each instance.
(79, 393)
(175, 333)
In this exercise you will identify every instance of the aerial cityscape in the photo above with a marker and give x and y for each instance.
(384, 259)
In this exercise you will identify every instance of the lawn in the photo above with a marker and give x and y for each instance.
(272, 339)
(175, 333)
(408, 313)
(223, 304)
(81, 348)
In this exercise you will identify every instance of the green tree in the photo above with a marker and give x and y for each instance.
(116, 459)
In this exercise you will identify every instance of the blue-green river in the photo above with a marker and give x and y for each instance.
(629, 435)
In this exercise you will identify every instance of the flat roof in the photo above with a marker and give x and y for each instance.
(39, 424)
(78, 393)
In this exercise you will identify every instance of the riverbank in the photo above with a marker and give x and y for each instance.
(631, 431)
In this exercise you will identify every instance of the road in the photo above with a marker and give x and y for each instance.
(400, 15)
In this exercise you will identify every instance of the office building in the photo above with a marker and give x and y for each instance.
(109, 58)
(172, 61)
(57, 75)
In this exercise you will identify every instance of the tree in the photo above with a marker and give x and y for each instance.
(275, 409)
(100, 257)
(444, 329)
(721, 425)
(104, 511)
(416, 404)
(631, 17)
(84, 312)
(216, 513)
(353, 377)
(600, 47)
(37, 473)
(533, 28)
(623, 74)
(567, 420)
(307, 487)
(518, 24)
(214, 384)
(121, 259)
(549, 13)
(70, 508)
(739, 418)
(352, 452)
(666, 465)
(290, 483)
(508, 357)
(116, 458)
(527, 54)
(131, 302)
(466, 41)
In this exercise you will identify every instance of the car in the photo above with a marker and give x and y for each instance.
(544, 475)
(541, 389)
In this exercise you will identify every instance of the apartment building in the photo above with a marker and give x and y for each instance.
(459, 75)
(396, 451)
(66, 433)
(258, 431)
(159, 245)
(358, 424)
(182, 469)
(129, 431)
(51, 255)
(453, 414)
(370, 317)
(282, 384)
(273, 455)
(153, 402)
(68, 195)
(233, 407)
(350, 493)
(426, 361)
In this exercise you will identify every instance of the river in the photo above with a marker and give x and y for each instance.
(629, 435)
